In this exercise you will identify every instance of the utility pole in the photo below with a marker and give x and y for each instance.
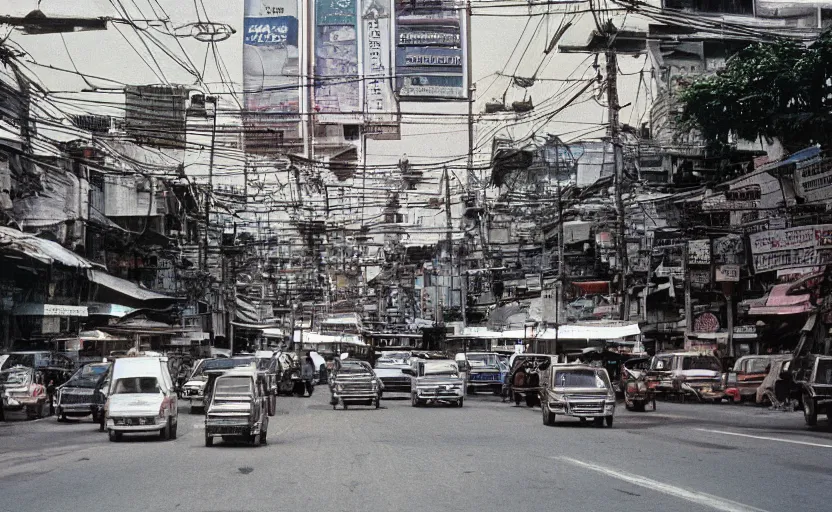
(212, 100)
(471, 89)
(612, 109)
(688, 304)
(448, 235)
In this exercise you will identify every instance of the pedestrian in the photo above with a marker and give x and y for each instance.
(50, 393)
(307, 374)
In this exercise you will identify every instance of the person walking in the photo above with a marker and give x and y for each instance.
(307, 374)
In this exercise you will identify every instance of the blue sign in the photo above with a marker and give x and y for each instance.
(279, 31)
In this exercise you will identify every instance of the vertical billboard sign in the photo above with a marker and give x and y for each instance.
(271, 64)
(336, 57)
(430, 58)
(378, 92)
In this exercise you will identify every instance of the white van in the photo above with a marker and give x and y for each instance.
(141, 398)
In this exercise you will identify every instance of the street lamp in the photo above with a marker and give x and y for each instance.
(36, 23)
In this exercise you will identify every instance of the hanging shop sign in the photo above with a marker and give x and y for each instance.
(813, 180)
(801, 246)
(727, 249)
(727, 273)
(699, 252)
(271, 64)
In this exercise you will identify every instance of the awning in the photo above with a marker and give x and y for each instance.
(124, 286)
(45, 251)
(594, 286)
(778, 303)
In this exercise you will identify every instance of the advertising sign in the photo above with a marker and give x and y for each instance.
(379, 101)
(813, 180)
(727, 274)
(699, 252)
(336, 57)
(430, 53)
(802, 246)
(271, 64)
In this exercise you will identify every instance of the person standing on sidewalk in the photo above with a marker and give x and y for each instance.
(50, 395)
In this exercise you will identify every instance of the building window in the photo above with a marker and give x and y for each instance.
(351, 131)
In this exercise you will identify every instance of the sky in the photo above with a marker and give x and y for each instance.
(503, 40)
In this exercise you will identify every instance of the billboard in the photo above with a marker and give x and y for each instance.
(337, 81)
(155, 114)
(430, 54)
(380, 106)
(271, 61)
(802, 246)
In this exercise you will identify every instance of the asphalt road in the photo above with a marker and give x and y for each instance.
(487, 456)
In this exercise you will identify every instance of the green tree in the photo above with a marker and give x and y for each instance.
(781, 89)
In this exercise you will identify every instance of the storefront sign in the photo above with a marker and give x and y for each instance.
(727, 274)
(379, 100)
(335, 12)
(49, 310)
(700, 277)
(802, 246)
(813, 180)
(727, 249)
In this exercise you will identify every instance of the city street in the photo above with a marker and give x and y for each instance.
(487, 456)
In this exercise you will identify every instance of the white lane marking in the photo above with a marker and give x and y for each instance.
(700, 498)
(766, 438)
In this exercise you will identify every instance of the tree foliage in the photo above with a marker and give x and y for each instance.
(781, 89)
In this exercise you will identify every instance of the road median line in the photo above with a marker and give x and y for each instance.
(700, 498)
(766, 438)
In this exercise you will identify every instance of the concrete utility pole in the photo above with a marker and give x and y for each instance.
(212, 100)
(449, 236)
(613, 132)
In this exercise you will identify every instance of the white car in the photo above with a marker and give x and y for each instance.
(194, 388)
(141, 398)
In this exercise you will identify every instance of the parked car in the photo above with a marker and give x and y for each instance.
(579, 391)
(84, 393)
(816, 388)
(523, 380)
(39, 359)
(21, 392)
(237, 407)
(685, 374)
(748, 373)
(215, 367)
(435, 381)
(485, 372)
(356, 383)
(388, 369)
(141, 398)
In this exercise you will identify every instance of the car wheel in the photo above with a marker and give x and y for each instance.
(810, 414)
(164, 433)
(609, 420)
(173, 429)
(254, 440)
(114, 436)
(548, 416)
(273, 405)
(263, 436)
(209, 441)
(460, 402)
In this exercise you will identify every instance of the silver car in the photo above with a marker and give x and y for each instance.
(435, 381)
(580, 391)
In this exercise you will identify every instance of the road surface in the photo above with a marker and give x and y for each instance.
(487, 456)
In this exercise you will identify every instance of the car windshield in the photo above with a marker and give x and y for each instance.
(131, 385)
(391, 356)
(700, 363)
(438, 369)
(482, 359)
(824, 373)
(581, 379)
(87, 377)
(15, 377)
(354, 369)
(233, 386)
(27, 360)
(757, 365)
